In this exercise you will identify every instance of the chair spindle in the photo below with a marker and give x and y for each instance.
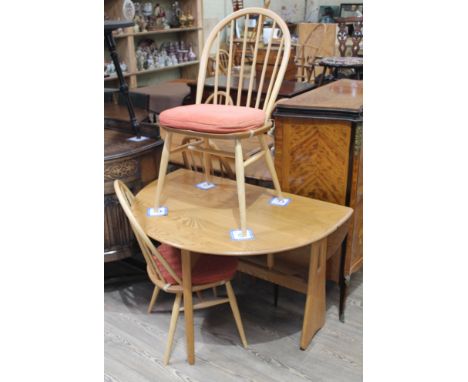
(241, 74)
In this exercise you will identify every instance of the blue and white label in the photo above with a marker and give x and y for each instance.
(161, 211)
(236, 234)
(136, 139)
(205, 185)
(280, 202)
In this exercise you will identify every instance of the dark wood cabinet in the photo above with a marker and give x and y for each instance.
(136, 164)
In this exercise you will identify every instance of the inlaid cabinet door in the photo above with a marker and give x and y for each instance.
(322, 159)
(312, 157)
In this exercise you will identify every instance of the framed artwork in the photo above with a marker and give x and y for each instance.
(351, 10)
(328, 12)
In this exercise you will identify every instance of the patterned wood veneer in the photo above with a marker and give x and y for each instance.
(312, 158)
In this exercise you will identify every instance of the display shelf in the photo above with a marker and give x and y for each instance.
(196, 62)
(127, 42)
(160, 31)
(114, 77)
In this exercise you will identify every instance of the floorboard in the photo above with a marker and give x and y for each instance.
(135, 340)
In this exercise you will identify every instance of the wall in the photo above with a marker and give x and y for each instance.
(290, 10)
(312, 7)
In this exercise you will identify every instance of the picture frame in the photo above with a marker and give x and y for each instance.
(351, 10)
(335, 9)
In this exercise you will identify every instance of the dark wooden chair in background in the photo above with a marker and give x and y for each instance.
(345, 66)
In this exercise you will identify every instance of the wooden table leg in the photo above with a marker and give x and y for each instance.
(188, 306)
(314, 311)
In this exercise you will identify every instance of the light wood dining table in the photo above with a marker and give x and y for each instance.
(200, 221)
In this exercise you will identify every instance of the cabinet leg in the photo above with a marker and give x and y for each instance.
(275, 294)
(344, 282)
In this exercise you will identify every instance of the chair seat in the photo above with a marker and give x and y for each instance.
(217, 119)
(208, 269)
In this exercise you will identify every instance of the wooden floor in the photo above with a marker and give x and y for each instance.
(135, 340)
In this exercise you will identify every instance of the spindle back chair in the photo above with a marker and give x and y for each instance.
(306, 53)
(149, 251)
(280, 66)
(223, 62)
(245, 99)
(175, 286)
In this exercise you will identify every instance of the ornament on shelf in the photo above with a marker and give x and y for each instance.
(168, 61)
(157, 10)
(147, 9)
(136, 27)
(190, 20)
(138, 9)
(180, 56)
(172, 48)
(128, 10)
(162, 59)
(109, 68)
(142, 24)
(140, 59)
(150, 62)
(182, 20)
(191, 55)
(176, 12)
(169, 53)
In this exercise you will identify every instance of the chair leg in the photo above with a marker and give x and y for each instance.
(153, 298)
(240, 180)
(172, 327)
(163, 167)
(270, 165)
(207, 161)
(215, 292)
(235, 312)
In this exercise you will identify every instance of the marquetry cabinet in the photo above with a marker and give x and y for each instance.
(318, 153)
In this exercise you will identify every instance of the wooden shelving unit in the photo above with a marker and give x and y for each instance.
(185, 64)
(161, 31)
(127, 43)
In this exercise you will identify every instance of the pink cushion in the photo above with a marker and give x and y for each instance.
(208, 118)
(208, 269)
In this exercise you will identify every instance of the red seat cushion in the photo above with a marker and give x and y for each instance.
(208, 269)
(208, 118)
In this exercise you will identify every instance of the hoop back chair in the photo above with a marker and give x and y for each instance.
(223, 62)
(164, 270)
(306, 53)
(235, 118)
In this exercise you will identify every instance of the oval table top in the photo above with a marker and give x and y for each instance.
(201, 221)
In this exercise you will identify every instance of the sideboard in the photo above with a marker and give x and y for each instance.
(319, 154)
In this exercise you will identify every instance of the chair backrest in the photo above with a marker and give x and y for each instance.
(270, 87)
(126, 199)
(307, 50)
(343, 35)
(223, 61)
